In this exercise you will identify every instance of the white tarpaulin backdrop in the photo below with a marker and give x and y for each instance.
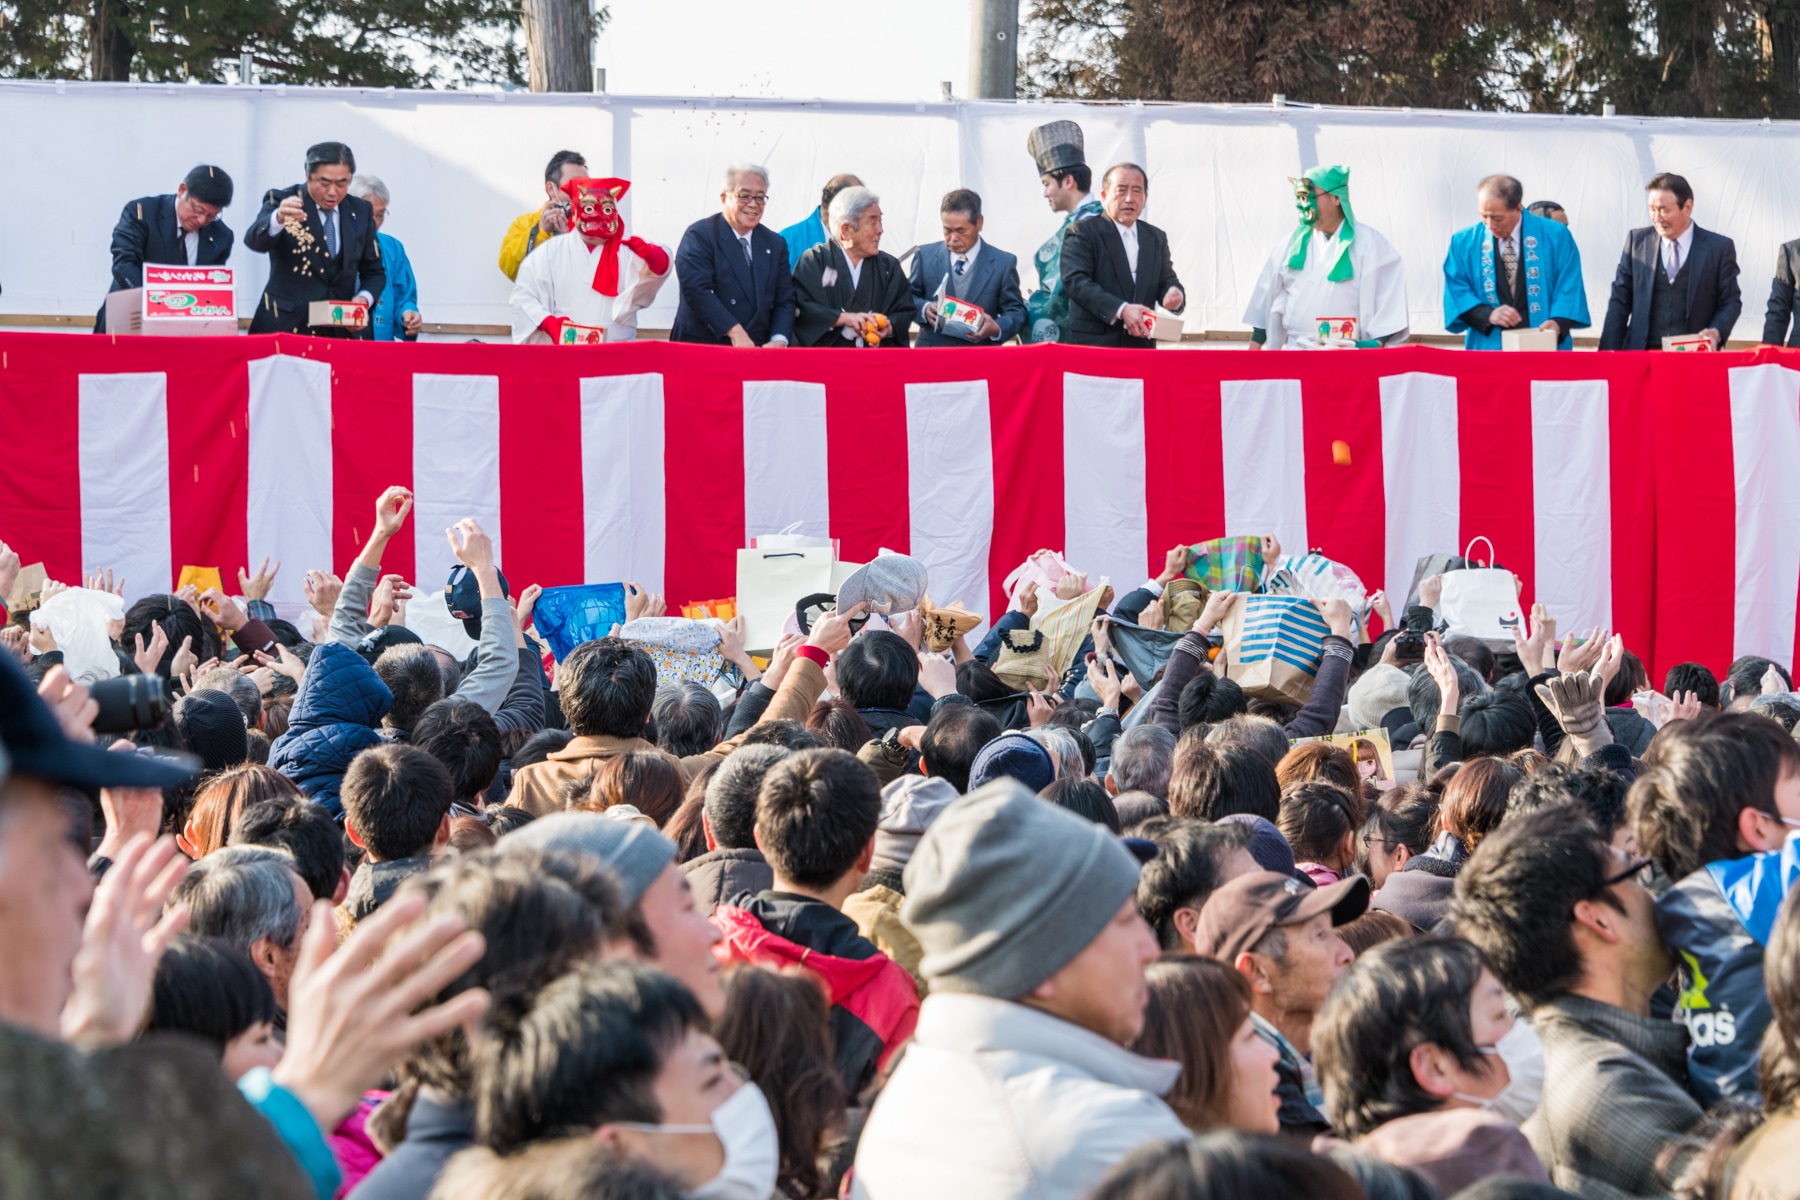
(461, 165)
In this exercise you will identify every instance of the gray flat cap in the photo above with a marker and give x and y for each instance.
(890, 583)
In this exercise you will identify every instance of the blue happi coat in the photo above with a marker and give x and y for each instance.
(1549, 261)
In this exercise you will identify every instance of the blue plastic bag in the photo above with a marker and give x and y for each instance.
(569, 616)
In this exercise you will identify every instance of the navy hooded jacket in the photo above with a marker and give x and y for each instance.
(335, 717)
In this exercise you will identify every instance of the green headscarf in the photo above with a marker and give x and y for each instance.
(1335, 180)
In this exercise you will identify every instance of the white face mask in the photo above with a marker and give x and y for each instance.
(746, 1129)
(1523, 1053)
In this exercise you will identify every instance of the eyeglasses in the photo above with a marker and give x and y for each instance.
(752, 197)
(1635, 869)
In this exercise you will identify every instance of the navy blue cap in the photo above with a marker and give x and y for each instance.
(1013, 755)
(463, 595)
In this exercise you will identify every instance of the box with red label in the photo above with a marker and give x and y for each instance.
(581, 335)
(176, 301)
(959, 317)
(1337, 331)
(1164, 327)
(338, 314)
(1693, 343)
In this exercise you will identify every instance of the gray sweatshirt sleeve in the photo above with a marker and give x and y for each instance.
(350, 616)
(524, 706)
(496, 658)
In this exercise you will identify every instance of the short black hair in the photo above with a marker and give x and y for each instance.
(1209, 782)
(1515, 898)
(1209, 699)
(1085, 798)
(1597, 791)
(465, 738)
(583, 1051)
(561, 159)
(1422, 692)
(788, 734)
(411, 673)
(1185, 871)
(1504, 188)
(305, 830)
(1126, 166)
(1673, 184)
(1225, 1165)
(329, 154)
(1081, 173)
(835, 722)
(953, 737)
(1543, 208)
(1496, 722)
(688, 718)
(1743, 679)
(1631, 677)
(878, 670)
(732, 791)
(961, 200)
(1398, 996)
(1477, 653)
(1698, 776)
(815, 815)
(395, 798)
(1406, 816)
(540, 746)
(208, 989)
(607, 687)
(1693, 677)
(209, 185)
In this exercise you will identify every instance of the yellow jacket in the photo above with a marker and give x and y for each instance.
(521, 236)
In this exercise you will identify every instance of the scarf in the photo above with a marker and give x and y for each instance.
(1335, 180)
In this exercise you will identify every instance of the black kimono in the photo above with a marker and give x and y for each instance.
(883, 288)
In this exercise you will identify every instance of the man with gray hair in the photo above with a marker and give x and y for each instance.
(737, 286)
(1142, 760)
(251, 898)
(732, 865)
(850, 291)
(396, 317)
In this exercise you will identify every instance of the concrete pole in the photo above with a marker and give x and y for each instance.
(993, 49)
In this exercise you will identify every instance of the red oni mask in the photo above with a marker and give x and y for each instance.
(596, 211)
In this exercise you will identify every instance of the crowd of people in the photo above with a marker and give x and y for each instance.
(1105, 277)
(321, 909)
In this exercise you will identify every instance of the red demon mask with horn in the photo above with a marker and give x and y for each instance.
(596, 216)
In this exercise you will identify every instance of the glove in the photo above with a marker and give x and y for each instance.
(552, 326)
(654, 256)
(1578, 701)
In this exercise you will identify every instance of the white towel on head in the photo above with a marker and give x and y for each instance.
(78, 620)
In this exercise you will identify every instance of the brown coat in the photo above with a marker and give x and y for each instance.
(538, 787)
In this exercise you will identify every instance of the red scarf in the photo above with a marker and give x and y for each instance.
(596, 215)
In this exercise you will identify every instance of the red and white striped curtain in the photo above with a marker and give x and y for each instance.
(1658, 495)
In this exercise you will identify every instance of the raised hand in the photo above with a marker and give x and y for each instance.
(1174, 565)
(640, 603)
(322, 588)
(1028, 600)
(222, 609)
(1039, 706)
(100, 581)
(1431, 591)
(256, 587)
(831, 632)
(1071, 585)
(122, 940)
(937, 674)
(781, 659)
(391, 508)
(1103, 677)
(1443, 673)
(386, 601)
(148, 658)
(1533, 649)
(1211, 613)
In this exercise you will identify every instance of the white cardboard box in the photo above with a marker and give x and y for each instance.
(1165, 327)
(338, 314)
(1528, 339)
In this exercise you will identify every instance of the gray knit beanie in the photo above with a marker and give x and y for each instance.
(634, 851)
(1005, 890)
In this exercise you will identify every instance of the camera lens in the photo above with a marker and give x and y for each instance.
(129, 703)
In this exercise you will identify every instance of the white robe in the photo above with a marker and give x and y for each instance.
(1287, 302)
(557, 280)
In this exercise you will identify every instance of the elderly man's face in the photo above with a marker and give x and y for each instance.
(864, 237)
(1670, 216)
(744, 202)
(380, 207)
(961, 232)
(1499, 219)
(1125, 195)
(44, 893)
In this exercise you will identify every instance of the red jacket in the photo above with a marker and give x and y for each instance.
(874, 1005)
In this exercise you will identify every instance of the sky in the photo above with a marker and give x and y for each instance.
(785, 49)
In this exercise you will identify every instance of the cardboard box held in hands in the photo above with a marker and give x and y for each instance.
(1528, 339)
(959, 317)
(176, 302)
(572, 334)
(338, 314)
(1693, 343)
(1164, 326)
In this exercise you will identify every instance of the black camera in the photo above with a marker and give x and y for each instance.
(1409, 647)
(129, 703)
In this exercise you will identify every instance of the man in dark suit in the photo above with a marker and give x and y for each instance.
(182, 230)
(1674, 279)
(320, 239)
(1780, 315)
(1116, 268)
(737, 288)
(967, 268)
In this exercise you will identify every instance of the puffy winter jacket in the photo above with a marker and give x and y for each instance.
(340, 703)
(1717, 921)
(718, 875)
(874, 1005)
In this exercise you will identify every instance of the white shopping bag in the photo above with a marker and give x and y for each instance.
(769, 584)
(1480, 602)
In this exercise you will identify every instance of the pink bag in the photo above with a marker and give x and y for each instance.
(1044, 568)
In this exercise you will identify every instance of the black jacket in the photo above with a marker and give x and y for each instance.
(881, 286)
(374, 883)
(301, 271)
(1714, 301)
(718, 875)
(148, 232)
(720, 289)
(1097, 276)
(1778, 322)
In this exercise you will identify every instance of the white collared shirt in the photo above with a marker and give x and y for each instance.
(190, 240)
(325, 214)
(856, 266)
(1128, 235)
(1686, 244)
